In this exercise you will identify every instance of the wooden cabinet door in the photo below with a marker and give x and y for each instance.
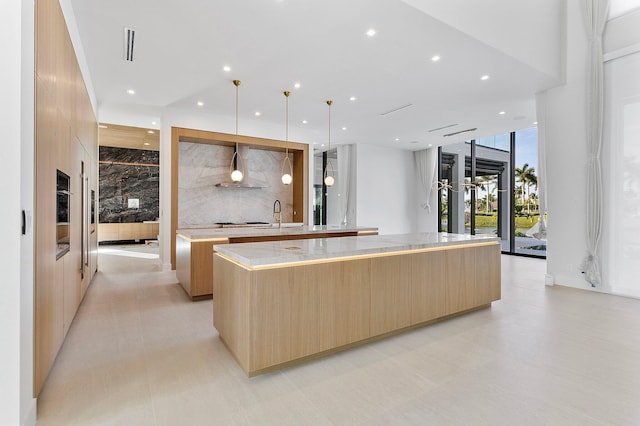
(353, 302)
(460, 279)
(428, 282)
(390, 293)
(487, 262)
(270, 315)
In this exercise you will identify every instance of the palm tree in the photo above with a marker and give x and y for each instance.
(485, 183)
(527, 177)
(521, 175)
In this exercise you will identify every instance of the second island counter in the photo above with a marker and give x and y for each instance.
(194, 248)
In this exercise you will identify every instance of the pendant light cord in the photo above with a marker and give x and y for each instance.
(286, 118)
(329, 103)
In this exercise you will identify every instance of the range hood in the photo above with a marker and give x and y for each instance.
(238, 185)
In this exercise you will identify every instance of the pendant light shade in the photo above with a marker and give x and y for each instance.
(329, 172)
(287, 168)
(236, 168)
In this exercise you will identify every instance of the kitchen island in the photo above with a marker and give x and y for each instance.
(194, 247)
(280, 303)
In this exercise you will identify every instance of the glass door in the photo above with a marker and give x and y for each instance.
(495, 178)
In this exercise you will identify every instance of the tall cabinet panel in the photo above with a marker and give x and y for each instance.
(65, 139)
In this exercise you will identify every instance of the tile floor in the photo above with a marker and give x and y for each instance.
(141, 353)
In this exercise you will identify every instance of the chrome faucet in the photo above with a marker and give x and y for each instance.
(277, 212)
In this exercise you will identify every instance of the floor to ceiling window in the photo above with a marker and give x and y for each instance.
(489, 186)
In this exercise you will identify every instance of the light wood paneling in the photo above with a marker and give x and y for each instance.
(201, 268)
(65, 131)
(390, 293)
(129, 137)
(428, 283)
(297, 312)
(353, 302)
(127, 231)
(183, 264)
(460, 288)
(108, 232)
(328, 277)
(270, 318)
(231, 308)
(487, 265)
(305, 306)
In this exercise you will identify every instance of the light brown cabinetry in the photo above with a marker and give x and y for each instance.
(127, 231)
(65, 138)
(278, 314)
(428, 289)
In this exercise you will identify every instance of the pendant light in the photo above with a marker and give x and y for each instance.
(286, 177)
(329, 180)
(237, 173)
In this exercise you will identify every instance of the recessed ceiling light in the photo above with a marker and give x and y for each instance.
(200, 103)
(304, 121)
(353, 98)
(435, 58)
(397, 139)
(502, 113)
(151, 132)
(322, 145)
(371, 32)
(344, 128)
(535, 123)
(131, 91)
(153, 123)
(484, 77)
(258, 113)
(102, 126)
(226, 68)
(146, 144)
(430, 145)
(296, 85)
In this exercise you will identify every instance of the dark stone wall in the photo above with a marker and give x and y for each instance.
(128, 174)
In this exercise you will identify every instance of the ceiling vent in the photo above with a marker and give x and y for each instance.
(461, 131)
(129, 36)
(442, 128)
(396, 109)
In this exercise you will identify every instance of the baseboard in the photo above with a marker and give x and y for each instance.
(31, 413)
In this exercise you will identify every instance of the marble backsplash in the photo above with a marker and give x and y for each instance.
(201, 203)
(129, 185)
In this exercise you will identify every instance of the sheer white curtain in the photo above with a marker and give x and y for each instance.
(541, 111)
(426, 163)
(595, 16)
(346, 183)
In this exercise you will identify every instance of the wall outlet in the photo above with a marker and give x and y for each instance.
(134, 203)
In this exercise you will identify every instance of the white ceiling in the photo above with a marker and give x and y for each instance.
(182, 46)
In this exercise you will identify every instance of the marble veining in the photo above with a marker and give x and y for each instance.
(125, 175)
(278, 252)
(201, 203)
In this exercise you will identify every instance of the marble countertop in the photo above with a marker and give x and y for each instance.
(281, 252)
(266, 230)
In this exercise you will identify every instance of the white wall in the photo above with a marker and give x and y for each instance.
(386, 192)
(16, 292)
(566, 160)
